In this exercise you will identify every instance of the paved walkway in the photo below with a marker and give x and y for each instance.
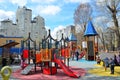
(80, 64)
(90, 65)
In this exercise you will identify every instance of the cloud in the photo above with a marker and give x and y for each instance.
(1, 1)
(77, 1)
(6, 15)
(43, 1)
(49, 10)
(54, 31)
(100, 2)
(101, 19)
(19, 2)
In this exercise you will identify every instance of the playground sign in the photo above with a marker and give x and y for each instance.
(84, 44)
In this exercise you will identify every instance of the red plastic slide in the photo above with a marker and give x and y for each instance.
(82, 54)
(66, 69)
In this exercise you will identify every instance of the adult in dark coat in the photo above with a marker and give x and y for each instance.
(106, 63)
(112, 64)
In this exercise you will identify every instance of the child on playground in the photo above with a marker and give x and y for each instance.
(98, 60)
(77, 52)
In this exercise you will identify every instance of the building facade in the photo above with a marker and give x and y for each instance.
(66, 32)
(24, 25)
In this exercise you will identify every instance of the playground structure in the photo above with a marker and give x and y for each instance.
(29, 52)
(91, 41)
(72, 44)
(52, 55)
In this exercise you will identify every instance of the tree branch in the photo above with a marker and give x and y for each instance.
(110, 8)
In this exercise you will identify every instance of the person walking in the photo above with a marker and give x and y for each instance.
(77, 53)
(112, 64)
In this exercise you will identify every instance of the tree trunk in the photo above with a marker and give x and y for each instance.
(103, 42)
(116, 29)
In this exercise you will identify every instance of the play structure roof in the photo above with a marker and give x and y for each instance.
(72, 37)
(90, 30)
(67, 39)
(8, 45)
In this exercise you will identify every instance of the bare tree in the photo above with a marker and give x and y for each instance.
(82, 15)
(112, 7)
(101, 37)
(101, 26)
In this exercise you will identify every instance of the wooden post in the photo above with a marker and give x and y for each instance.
(86, 56)
(94, 47)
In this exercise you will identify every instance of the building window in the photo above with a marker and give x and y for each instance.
(9, 41)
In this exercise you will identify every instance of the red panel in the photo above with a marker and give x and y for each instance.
(63, 52)
(38, 57)
(67, 52)
(48, 70)
(25, 53)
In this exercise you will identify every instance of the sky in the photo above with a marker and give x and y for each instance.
(57, 13)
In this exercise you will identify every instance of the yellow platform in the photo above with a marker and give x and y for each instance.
(100, 71)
